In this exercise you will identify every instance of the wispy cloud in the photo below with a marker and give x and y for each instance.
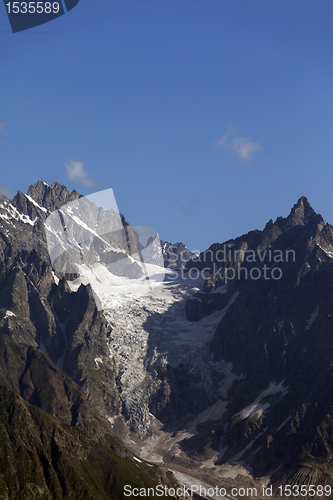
(242, 147)
(77, 173)
(5, 191)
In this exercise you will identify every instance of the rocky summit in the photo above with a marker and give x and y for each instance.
(221, 375)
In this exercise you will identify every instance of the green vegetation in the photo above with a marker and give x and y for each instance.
(42, 458)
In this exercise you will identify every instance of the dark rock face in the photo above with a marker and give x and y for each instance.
(87, 358)
(50, 197)
(26, 313)
(22, 219)
(194, 309)
(176, 255)
(179, 396)
(30, 373)
(277, 331)
(38, 309)
(205, 303)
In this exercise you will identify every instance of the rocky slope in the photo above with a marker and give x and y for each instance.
(44, 458)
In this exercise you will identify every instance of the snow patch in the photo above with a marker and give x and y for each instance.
(191, 482)
(35, 203)
(213, 412)
(256, 408)
(280, 325)
(43, 348)
(222, 452)
(7, 312)
(330, 254)
(98, 360)
(228, 380)
(111, 291)
(236, 457)
(13, 213)
(220, 289)
(56, 279)
(283, 423)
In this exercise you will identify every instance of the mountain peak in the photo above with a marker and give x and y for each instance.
(303, 201)
(301, 213)
(51, 197)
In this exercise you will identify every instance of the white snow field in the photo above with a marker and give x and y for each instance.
(153, 329)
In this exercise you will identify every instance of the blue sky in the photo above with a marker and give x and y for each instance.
(205, 117)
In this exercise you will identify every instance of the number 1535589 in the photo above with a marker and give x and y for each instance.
(32, 7)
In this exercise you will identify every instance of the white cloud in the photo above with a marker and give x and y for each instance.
(243, 147)
(76, 172)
